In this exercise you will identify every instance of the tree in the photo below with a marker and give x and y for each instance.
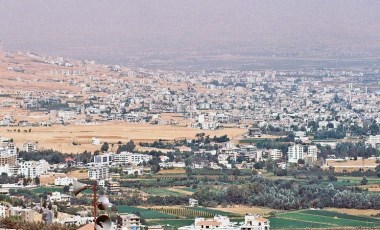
(129, 147)
(332, 178)
(66, 189)
(301, 161)
(236, 172)
(37, 181)
(364, 181)
(189, 172)
(154, 164)
(24, 182)
(105, 147)
(374, 128)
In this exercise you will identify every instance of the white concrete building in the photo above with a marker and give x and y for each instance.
(33, 169)
(3, 211)
(64, 181)
(58, 197)
(95, 141)
(373, 141)
(104, 159)
(193, 202)
(125, 158)
(128, 221)
(275, 154)
(30, 147)
(255, 222)
(121, 158)
(251, 222)
(98, 172)
(137, 158)
(295, 152)
(312, 150)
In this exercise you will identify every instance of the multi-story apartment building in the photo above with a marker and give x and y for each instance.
(104, 159)
(275, 154)
(373, 141)
(128, 221)
(29, 147)
(34, 169)
(98, 172)
(295, 152)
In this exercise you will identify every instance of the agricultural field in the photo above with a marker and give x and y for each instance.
(355, 212)
(192, 212)
(185, 190)
(320, 219)
(172, 171)
(188, 189)
(47, 189)
(178, 216)
(242, 210)
(352, 165)
(145, 213)
(172, 224)
(162, 192)
(60, 138)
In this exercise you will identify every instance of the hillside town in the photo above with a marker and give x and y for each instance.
(293, 123)
(66, 92)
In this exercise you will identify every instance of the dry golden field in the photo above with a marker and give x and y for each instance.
(241, 209)
(352, 165)
(361, 212)
(61, 137)
(172, 171)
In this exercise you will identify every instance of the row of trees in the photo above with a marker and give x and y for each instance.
(348, 149)
(55, 157)
(281, 194)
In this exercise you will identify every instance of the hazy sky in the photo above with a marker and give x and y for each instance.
(140, 27)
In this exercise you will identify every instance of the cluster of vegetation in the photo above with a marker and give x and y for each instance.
(191, 213)
(282, 194)
(55, 157)
(14, 222)
(348, 149)
(331, 133)
(201, 139)
(372, 129)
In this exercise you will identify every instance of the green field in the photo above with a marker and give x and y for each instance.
(341, 215)
(48, 189)
(215, 212)
(305, 219)
(192, 212)
(255, 140)
(188, 189)
(320, 219)
(280, 223)
(173, 223)
(145, 213)
(162, 192)
(357, 180)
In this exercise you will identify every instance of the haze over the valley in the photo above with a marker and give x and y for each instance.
(204, 33)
